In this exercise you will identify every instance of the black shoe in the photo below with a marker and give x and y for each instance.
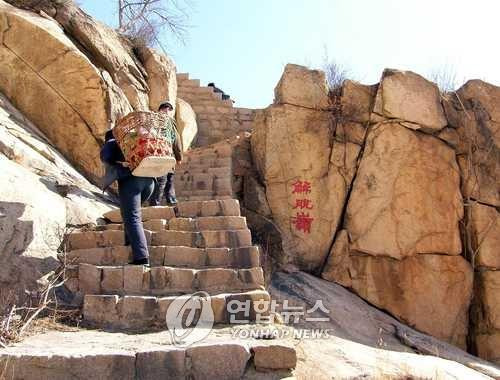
(144, 261)
(172, 202)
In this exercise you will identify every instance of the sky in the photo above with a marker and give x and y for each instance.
(243, 45)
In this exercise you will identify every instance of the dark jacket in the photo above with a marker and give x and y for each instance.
(111, 155)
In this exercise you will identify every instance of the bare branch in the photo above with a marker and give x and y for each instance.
(145, 20)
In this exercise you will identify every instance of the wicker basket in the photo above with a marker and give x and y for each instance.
(146, 139)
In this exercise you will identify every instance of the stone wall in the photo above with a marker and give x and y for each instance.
(217, 119)
(391, 190)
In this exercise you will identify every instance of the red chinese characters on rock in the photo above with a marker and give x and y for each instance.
(302, 220)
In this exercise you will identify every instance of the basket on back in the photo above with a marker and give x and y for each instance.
(146, 140)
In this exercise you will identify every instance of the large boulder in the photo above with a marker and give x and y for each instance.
(473, 110)
(162, 77)
(300, 164)
(412, 98)
(56, 86)
(406, 197)
(300, 86)
(186, 123)
(42, 198)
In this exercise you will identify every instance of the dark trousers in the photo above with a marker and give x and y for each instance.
(164, 186)
(133, 191)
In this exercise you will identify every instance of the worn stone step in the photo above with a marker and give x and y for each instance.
(218, 172)
(225, 207)
(203, 239)
(98, 239)
(222, 150)
(143, 312)
(174, 256)
(198, 198)
(202, 223)
(191, 83)
(165, 280)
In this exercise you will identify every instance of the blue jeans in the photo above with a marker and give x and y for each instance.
(164, 186)
(133, 191)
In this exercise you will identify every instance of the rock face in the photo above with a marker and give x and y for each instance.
(389, 220)
(56, 85)
(162, 77)
(410, 97)
(186, 123)
(406, 198)
(366, 342)
(300, 86)
(299, 163)
(36, 179)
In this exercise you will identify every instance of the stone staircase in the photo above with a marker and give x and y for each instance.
(205, 174)
(216, 118)
(199, 246)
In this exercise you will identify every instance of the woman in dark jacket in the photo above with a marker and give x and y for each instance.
(132, 191)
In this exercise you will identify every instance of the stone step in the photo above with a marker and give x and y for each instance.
(194, 171)
(203, 239)
(174, 256)
(182, 77)
(198, 198)
(190, 83)
(224, 150)
(165, 280)
(140, 312)
(225, 207)
(97, 354)
(203, 223)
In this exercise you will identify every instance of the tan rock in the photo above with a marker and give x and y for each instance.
(488, 296)
(292, 149)
(89, 279)
(54, 84)
(478, 125)
(430, 292)
(186, 123)
(351, 132)
(302, 87)
(486, 94)
(112, 280)
(211, 361)
(406, 198)
(212, 279)
(410, 97)
(337, 266)
(161, 79)
(274, 357)
(109, 50)
(161, 364)
(487, 347)
(357, 101)
(485, 222)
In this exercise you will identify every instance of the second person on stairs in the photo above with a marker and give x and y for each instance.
(165, 185)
